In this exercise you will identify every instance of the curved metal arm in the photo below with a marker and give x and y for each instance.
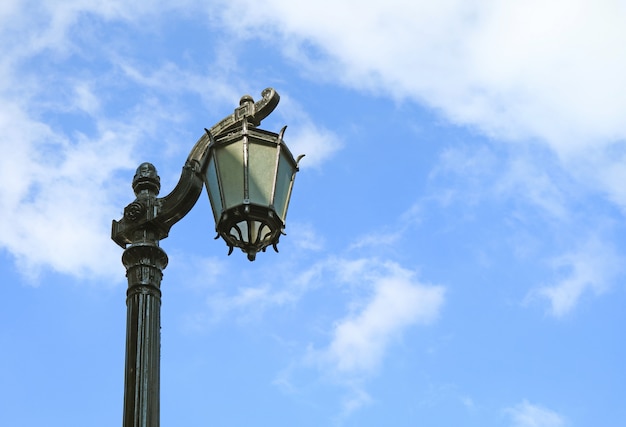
(177, 204)
(160, 214)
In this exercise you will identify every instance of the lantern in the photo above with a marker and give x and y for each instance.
(249, 174)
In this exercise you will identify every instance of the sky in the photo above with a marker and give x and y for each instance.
(456, 240)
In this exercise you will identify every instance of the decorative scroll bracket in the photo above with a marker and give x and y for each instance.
(252, 112)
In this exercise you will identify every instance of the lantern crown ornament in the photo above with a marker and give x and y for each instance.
(248, 174)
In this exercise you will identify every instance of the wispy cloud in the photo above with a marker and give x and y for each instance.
(60, 188)
(398, 301)
(33, 27)
(390, 235)
(308, 138)
(526, 414)
(60, 192)
(550, 74)
(590, 268)
(390, 301)
(540, 203)
(527, 176)
(65, 137)
(305, 237)
(505, 68)
(381, 301)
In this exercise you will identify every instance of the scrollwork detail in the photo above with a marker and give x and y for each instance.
(134, 211)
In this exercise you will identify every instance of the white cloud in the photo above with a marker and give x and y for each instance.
(86, 99)
(60, 188)
(607, 170)
(59, 194)
(538, 195)
(468, 403)
(378, 239)
(551, 73)
(539, 186)
(303, 136)
(360, 341)
(60, 185)
(384, 300)
(200, 273)
(516, 70)
(398, 301)
(170, 78)
(59, 191)
(527, 177)
(589, 268)
(315, 142)
(250, 302)
(244, 302)
(526, 414)
(464, 172)
(390, 236)
(356, 399)
(305, 237)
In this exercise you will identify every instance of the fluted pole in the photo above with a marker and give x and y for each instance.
(144, 261)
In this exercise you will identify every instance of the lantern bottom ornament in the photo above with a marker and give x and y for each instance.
(251, 228)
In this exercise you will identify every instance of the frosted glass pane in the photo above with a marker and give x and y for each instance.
(213, 189)
(238, 233)
(250, 231)
(262, 166)
(230, 165)
(283, 185)
(245, 231)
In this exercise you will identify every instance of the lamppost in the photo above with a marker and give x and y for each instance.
(249, 174)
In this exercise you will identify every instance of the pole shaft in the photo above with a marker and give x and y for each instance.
(144, 262)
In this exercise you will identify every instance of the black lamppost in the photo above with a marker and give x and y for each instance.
(248, 173)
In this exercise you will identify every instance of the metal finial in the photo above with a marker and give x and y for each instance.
(146, 178)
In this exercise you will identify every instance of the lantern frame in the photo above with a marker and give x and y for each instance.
(249, 213)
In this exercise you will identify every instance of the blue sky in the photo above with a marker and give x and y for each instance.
(455, 241)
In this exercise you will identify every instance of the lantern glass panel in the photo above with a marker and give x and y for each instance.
(213, 189)
(230, 166)
(238, 233)
(285, 173)
(250, 231)
(262, 169)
